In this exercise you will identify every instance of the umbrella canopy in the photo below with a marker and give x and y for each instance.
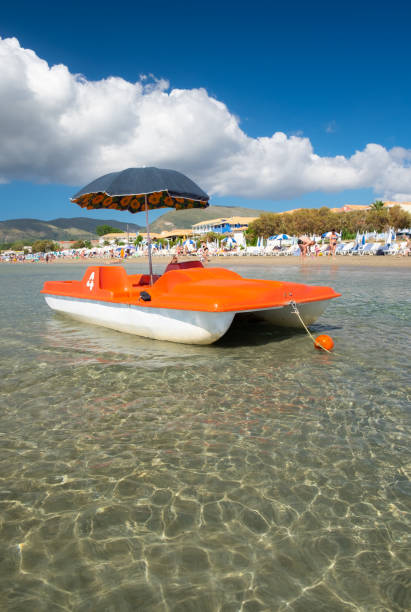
(229, 241)
(137, 189)
(133, 188)
(279, 237)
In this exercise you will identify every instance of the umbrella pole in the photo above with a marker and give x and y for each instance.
(150, 263)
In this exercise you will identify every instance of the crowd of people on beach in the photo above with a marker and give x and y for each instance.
(305, 246)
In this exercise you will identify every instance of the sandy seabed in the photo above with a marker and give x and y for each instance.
(372, 261)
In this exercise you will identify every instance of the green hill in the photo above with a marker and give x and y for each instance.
(184, 219)
(57, 229)
(84, 228)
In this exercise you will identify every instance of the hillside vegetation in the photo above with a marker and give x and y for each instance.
(77, 228)
(83, 228)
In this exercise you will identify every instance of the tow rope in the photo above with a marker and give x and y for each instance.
(316, 341)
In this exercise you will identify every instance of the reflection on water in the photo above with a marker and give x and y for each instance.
(253, 474)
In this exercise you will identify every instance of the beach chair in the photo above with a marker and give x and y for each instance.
(393, 249)
(382, 249)
(375, 248)
(367, 249)
(356, 249)
(347, 248)
(252, 250)
(291, 250)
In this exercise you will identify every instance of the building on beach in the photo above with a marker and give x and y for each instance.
(387, 204)
(404, 205)
(223, 225)
(132, 236)
(351, 208)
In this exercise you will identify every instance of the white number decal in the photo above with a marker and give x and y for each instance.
(90, 282)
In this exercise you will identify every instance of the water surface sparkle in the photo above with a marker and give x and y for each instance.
(253, 474)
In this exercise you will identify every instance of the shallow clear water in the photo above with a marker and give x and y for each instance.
(254, 474)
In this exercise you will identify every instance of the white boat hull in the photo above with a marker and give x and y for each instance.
(286, 317)
(185, 326)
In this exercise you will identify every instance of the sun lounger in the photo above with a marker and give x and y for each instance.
(347, 248)
(366, 249)
(294, 249)
(394, 249)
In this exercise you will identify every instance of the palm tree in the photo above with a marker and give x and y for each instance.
(377, 205)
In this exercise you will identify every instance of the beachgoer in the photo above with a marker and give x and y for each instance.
(304, 243)
(333, 241)
(203, 252)
(174, 259)
(407, 249)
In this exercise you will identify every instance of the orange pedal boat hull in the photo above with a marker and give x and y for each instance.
(193, 305)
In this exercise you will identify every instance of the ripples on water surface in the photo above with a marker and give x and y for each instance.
(254, 474)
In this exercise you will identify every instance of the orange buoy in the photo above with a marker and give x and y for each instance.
(324, 341)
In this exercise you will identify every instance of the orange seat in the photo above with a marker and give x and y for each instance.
(114, 279)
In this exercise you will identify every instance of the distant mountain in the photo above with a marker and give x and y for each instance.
(57, 229)
(84, 228)
(184, 219)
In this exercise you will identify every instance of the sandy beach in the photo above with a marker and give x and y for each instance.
(339, 261)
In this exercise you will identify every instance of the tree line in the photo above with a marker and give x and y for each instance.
(320, 220)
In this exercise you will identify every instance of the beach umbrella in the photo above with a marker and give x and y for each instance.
(229, 241)
(138, 189)
(189, 243)
(280, 237)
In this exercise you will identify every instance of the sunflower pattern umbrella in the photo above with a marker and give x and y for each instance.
(134, 188)
(138, 189)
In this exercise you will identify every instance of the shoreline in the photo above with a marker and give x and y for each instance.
(371, 261)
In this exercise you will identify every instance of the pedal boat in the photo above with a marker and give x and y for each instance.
(188, 303)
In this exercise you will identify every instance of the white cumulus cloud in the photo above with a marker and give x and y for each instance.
(59, 127)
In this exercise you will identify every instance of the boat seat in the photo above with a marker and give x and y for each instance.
(113, 279)
(145, 280)
(184, 265)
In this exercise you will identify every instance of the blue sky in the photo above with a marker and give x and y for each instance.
(333, 79)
